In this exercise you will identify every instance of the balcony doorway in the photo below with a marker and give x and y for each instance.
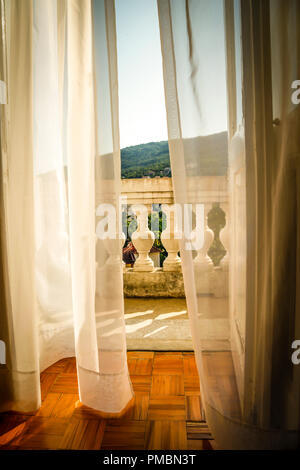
(155, 307)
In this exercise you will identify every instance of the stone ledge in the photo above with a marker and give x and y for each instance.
(157, 283)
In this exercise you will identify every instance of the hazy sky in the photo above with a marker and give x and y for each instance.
(141, 89)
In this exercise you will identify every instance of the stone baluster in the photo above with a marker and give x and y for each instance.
(170, 239)
(221, 272)
(224, 237)
(108, 270)
(143, 240)
(122, 242)
(114, 249)
(202, 262)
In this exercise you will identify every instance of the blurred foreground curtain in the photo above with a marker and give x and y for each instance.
(63, 292)
(234, 146)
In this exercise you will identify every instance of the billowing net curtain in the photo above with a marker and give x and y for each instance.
(219, 61)
(64, 284)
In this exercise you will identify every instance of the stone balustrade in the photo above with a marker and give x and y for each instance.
(148, 191)
(210, 260)
(145, 279)
(156, 283)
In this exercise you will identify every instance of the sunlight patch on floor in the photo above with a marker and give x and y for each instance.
(166, 328)
(137, 314)
(152, 333)
(138, 326)
(165, 316)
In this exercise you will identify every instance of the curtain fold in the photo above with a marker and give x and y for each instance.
(81, 179)
(241, 285)
(21, 374)
(63, 296)
(285, 268)
(52, 260)
(192, 42)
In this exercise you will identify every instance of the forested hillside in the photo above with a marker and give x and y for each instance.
(150, 159)
(153, 159)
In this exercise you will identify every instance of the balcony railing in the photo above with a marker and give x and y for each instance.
(210, 260)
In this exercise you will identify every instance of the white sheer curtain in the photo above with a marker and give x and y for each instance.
(192, 40)
(64, 295)
(241, 285)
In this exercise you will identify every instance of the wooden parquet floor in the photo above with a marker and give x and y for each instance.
(167, 413)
